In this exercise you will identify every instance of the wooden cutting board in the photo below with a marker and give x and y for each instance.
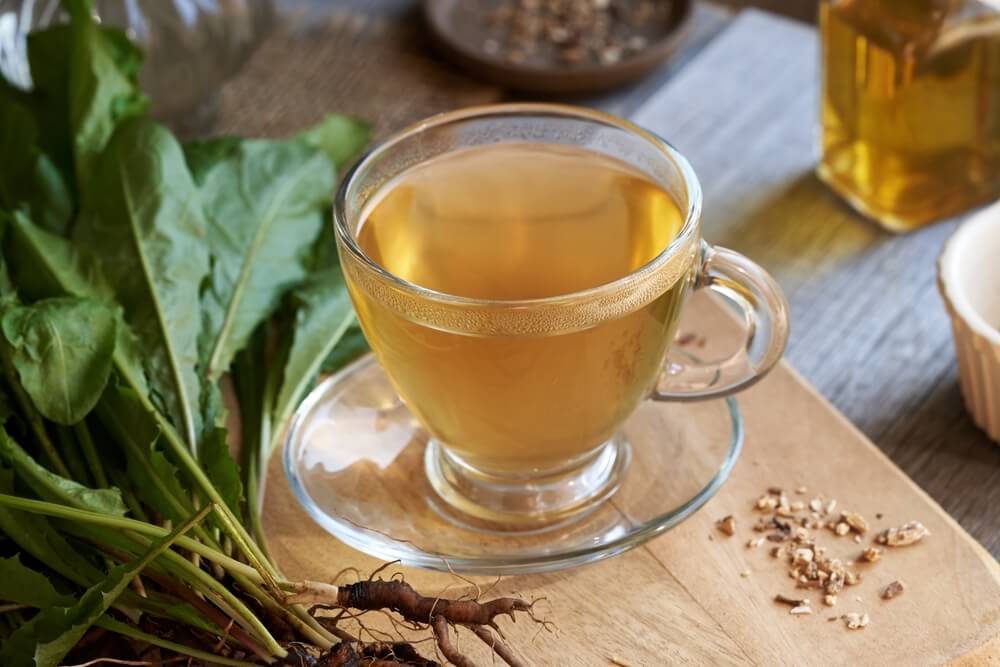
(681, 599)
(695, 596)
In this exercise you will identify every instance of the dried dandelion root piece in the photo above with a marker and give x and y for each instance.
(766, 503)
(783, 530)
(784, 509)
(726, 525)
(894, 589)
(871, 554)
(796, 607)
(802, 556)
(856, 522)
(791, 602)
(856, 620)
(834, 582)
(908, 533)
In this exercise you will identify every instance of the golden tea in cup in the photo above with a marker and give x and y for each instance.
(510, 223)
(520, 272)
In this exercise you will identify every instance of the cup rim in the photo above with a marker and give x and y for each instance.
(682, 240)
(952, 288)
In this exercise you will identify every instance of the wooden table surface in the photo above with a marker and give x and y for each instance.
(872, 335)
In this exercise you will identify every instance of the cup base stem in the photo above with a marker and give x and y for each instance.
(489, 503)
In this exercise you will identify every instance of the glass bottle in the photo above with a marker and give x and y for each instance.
(911, 106)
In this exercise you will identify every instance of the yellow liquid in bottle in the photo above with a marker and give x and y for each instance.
(911, 106)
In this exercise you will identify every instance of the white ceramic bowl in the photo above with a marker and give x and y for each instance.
(969, 280)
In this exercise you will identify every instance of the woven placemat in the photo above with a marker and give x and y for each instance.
(350, 62)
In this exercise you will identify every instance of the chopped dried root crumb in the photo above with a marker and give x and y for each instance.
(789, 524)
(784, 510)
(791, 602)
(856, 620)
(857, 522)
(871, 554)
(908, 533)
(892, 590)
(727, 525)
(766, 503)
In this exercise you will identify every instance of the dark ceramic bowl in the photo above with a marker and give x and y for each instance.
(460, 32)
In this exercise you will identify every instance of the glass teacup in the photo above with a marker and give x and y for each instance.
(524, 398)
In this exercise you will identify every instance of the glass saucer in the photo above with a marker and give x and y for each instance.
(354, 457)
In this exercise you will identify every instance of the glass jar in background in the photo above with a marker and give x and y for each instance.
(911, 106)
(191, 46)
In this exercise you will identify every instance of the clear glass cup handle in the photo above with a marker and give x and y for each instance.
(765, 311)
